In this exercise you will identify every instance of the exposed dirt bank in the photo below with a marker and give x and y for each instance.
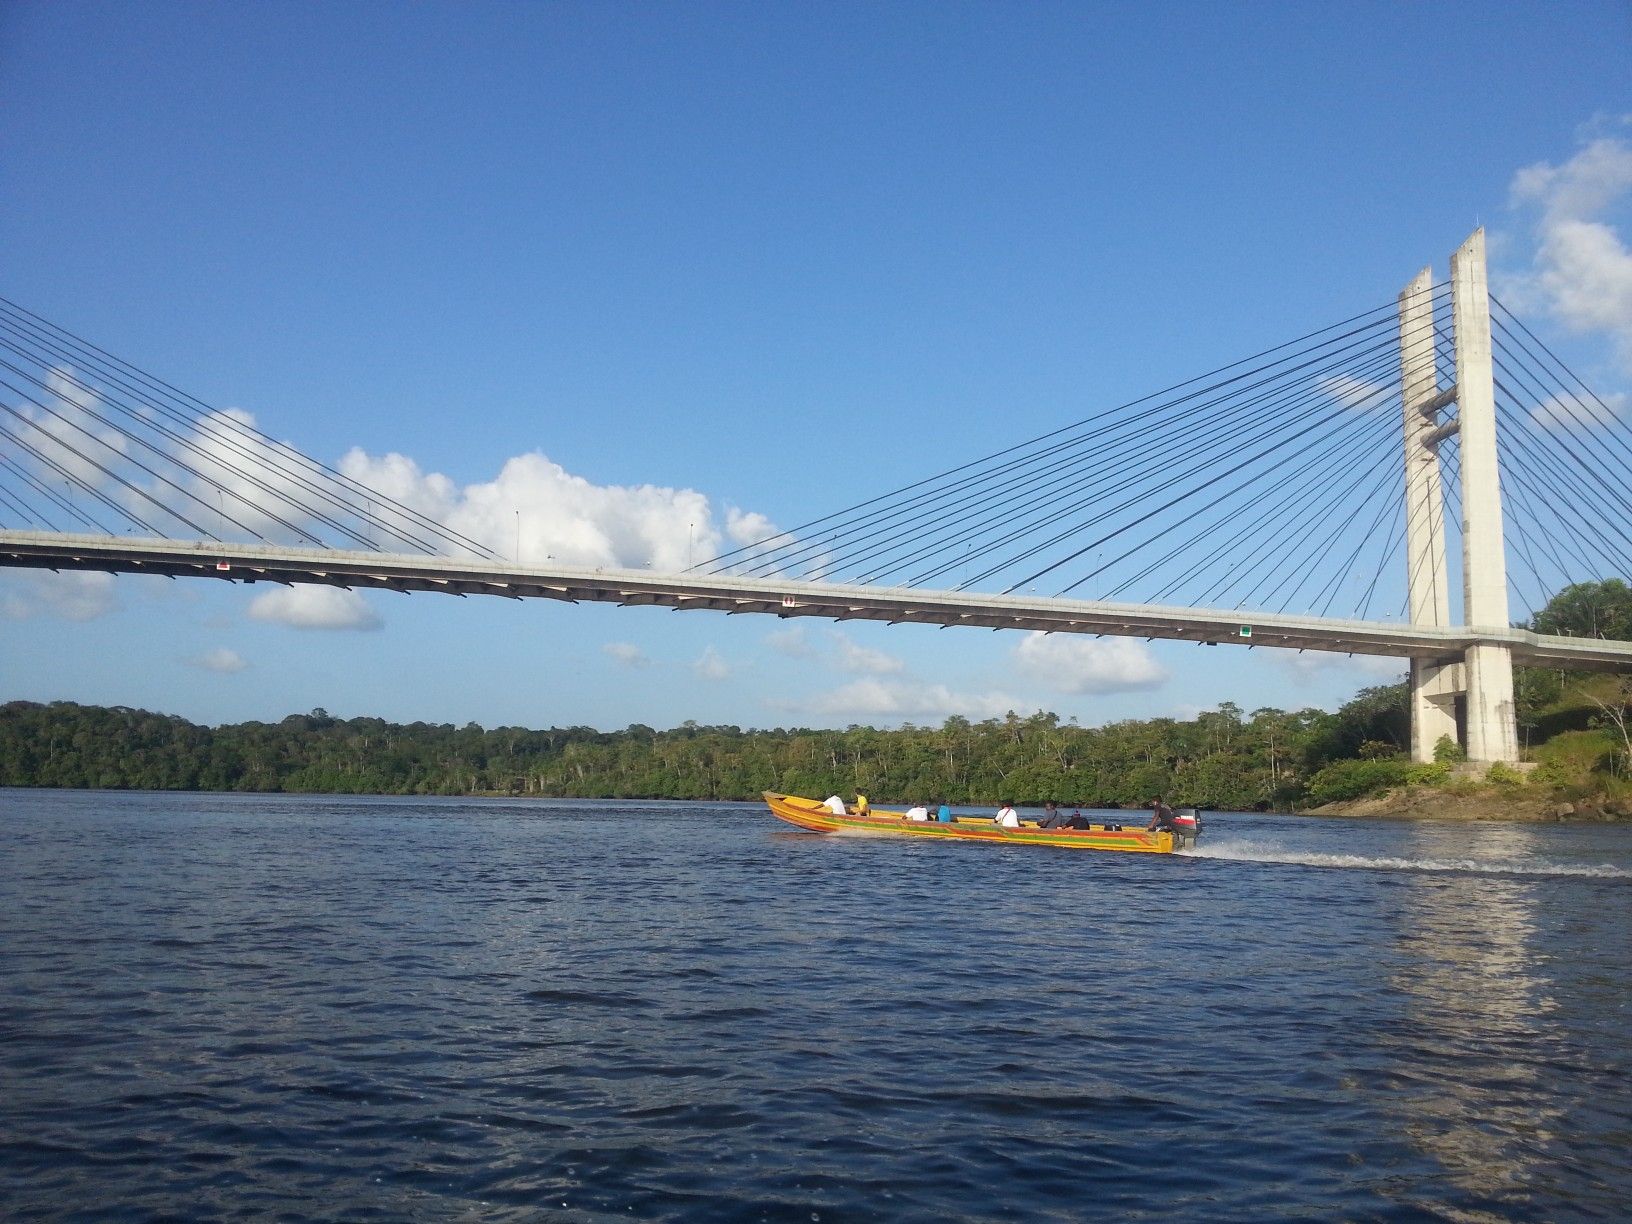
(1485, 803)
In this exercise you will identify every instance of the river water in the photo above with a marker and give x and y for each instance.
(216, 1007)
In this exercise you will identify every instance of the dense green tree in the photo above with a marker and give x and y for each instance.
(1222, 758)
(1589, 609)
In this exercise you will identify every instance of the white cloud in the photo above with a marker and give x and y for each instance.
(537, 511)
(220, 660)
(1582, 271)
(627, 653)
(1308, 664)
(315, 607)
(1072, 663)
(791, 642)
(68, 595)
(744, 527)
(861, 659)
(833, 649)
(1359, 393)
(903, 700)
(711, 666)
(1578, 412)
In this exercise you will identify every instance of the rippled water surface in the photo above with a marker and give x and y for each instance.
(314, 1008)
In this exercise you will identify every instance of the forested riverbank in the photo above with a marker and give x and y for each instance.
(1224, 758)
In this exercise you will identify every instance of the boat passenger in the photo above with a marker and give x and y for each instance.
(834, 804)
(1053, 818)
(1161, 817)
(863, 808)
(1007, 816)
(943, 814)
(917, 812)
(1078, 820)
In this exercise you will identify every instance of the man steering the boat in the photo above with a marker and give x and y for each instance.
(1161, 817)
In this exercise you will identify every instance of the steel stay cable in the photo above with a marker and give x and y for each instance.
(1151, 445)
(1263, 526)
(209, 427)
(1141, 484)
(163, 454)
(1574, 542)
(1521, 490)
(248, 431)
(1256, 458)
(1395, 540)
(1274, 479)
(246, 474)
(962, 531)
(72, 477)
(1547, 466)
(1313, 477)
(193, 422)
(1323, 392)
(1394, 504)
(936, 507)
(1334, 581)
(1607, 413)
(333, 477)
(1320, 552)
(1557, 444)
(102, 442)
(792, 531)
(117, 479)
(1105, 485)
(50, 494)
(1293, 507)
(25, 513)
(1147, 442)
(1539, 475)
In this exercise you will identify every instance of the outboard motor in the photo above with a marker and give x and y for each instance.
(1186, 827)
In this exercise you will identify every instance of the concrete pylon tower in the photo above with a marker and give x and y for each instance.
(1434, 686)
(1486, 672)
(1492, 719)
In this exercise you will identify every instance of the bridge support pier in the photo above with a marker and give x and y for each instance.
(1486, 673)
(1434, 690)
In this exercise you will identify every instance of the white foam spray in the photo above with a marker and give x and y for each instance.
(1258, 852)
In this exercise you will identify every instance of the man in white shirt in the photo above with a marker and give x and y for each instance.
(1007, 816)
(834, 804)
(917, 812)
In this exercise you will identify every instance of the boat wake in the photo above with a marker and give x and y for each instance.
(1256, 852)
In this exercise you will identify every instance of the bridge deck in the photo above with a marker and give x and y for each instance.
(632, 588)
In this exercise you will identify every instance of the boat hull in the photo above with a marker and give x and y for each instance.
(814, 817)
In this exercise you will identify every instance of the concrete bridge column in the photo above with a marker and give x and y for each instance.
(1434, 686)
(1491, 716)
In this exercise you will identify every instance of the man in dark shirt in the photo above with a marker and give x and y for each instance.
(1161, 816)
(1053, 818)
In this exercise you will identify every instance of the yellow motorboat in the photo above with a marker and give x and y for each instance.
(814, 816)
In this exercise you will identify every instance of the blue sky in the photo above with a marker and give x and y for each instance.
(753, 260)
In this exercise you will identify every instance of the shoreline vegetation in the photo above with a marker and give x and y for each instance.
(1348, 763)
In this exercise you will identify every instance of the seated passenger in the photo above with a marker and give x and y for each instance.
(1053, 818)
(917, 812)
(943, 814)
(1007, 816)
(834, 804)
(863, 808)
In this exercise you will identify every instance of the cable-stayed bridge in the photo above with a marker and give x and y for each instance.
(1304, 498)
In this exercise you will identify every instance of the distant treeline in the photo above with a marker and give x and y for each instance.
(1223, 758)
